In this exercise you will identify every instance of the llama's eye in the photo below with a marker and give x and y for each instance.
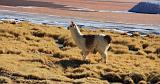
(72, 26)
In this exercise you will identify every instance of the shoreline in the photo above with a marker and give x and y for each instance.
(64, 21)
(69, 17)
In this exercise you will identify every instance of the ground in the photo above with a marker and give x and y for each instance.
(33, 53)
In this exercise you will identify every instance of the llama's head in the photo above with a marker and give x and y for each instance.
(72, 25)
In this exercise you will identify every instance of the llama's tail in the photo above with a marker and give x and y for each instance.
(108, 38)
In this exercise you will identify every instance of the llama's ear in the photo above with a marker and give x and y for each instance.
(72, 22)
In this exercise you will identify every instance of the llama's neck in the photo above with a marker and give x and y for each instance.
(76, 34)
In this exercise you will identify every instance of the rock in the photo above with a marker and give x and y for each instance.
(155, 79)
(111, 77)
(142, 82)
(135, 34)
(136, 77)
(123, 75)
(128, 80)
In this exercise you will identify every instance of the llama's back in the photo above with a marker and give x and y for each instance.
(102, 41)
(105, 38)
(89, 41)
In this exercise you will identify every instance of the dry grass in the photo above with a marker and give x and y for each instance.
(32, 53)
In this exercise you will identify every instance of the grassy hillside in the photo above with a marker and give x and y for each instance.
(32, 53)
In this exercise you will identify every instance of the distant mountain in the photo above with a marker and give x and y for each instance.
(151, 7)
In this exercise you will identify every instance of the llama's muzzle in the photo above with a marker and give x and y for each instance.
(67, 28)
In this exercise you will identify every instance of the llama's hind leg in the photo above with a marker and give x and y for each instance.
(84, 54)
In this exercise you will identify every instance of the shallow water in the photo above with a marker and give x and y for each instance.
(64, 21)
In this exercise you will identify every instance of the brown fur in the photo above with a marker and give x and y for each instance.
(89, 40)
(108, 38)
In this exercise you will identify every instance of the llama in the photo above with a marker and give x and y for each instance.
(90, 43)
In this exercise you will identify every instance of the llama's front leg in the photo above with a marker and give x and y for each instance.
(84, 54)
(104, 57)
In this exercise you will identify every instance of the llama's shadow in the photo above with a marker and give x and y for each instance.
(71, 63)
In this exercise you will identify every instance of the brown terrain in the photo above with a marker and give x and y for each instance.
(32, 53)
(91, 9)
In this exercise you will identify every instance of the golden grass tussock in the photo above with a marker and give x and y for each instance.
(111, 77)
(34, 53)
(5, 80)
(119, 49)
